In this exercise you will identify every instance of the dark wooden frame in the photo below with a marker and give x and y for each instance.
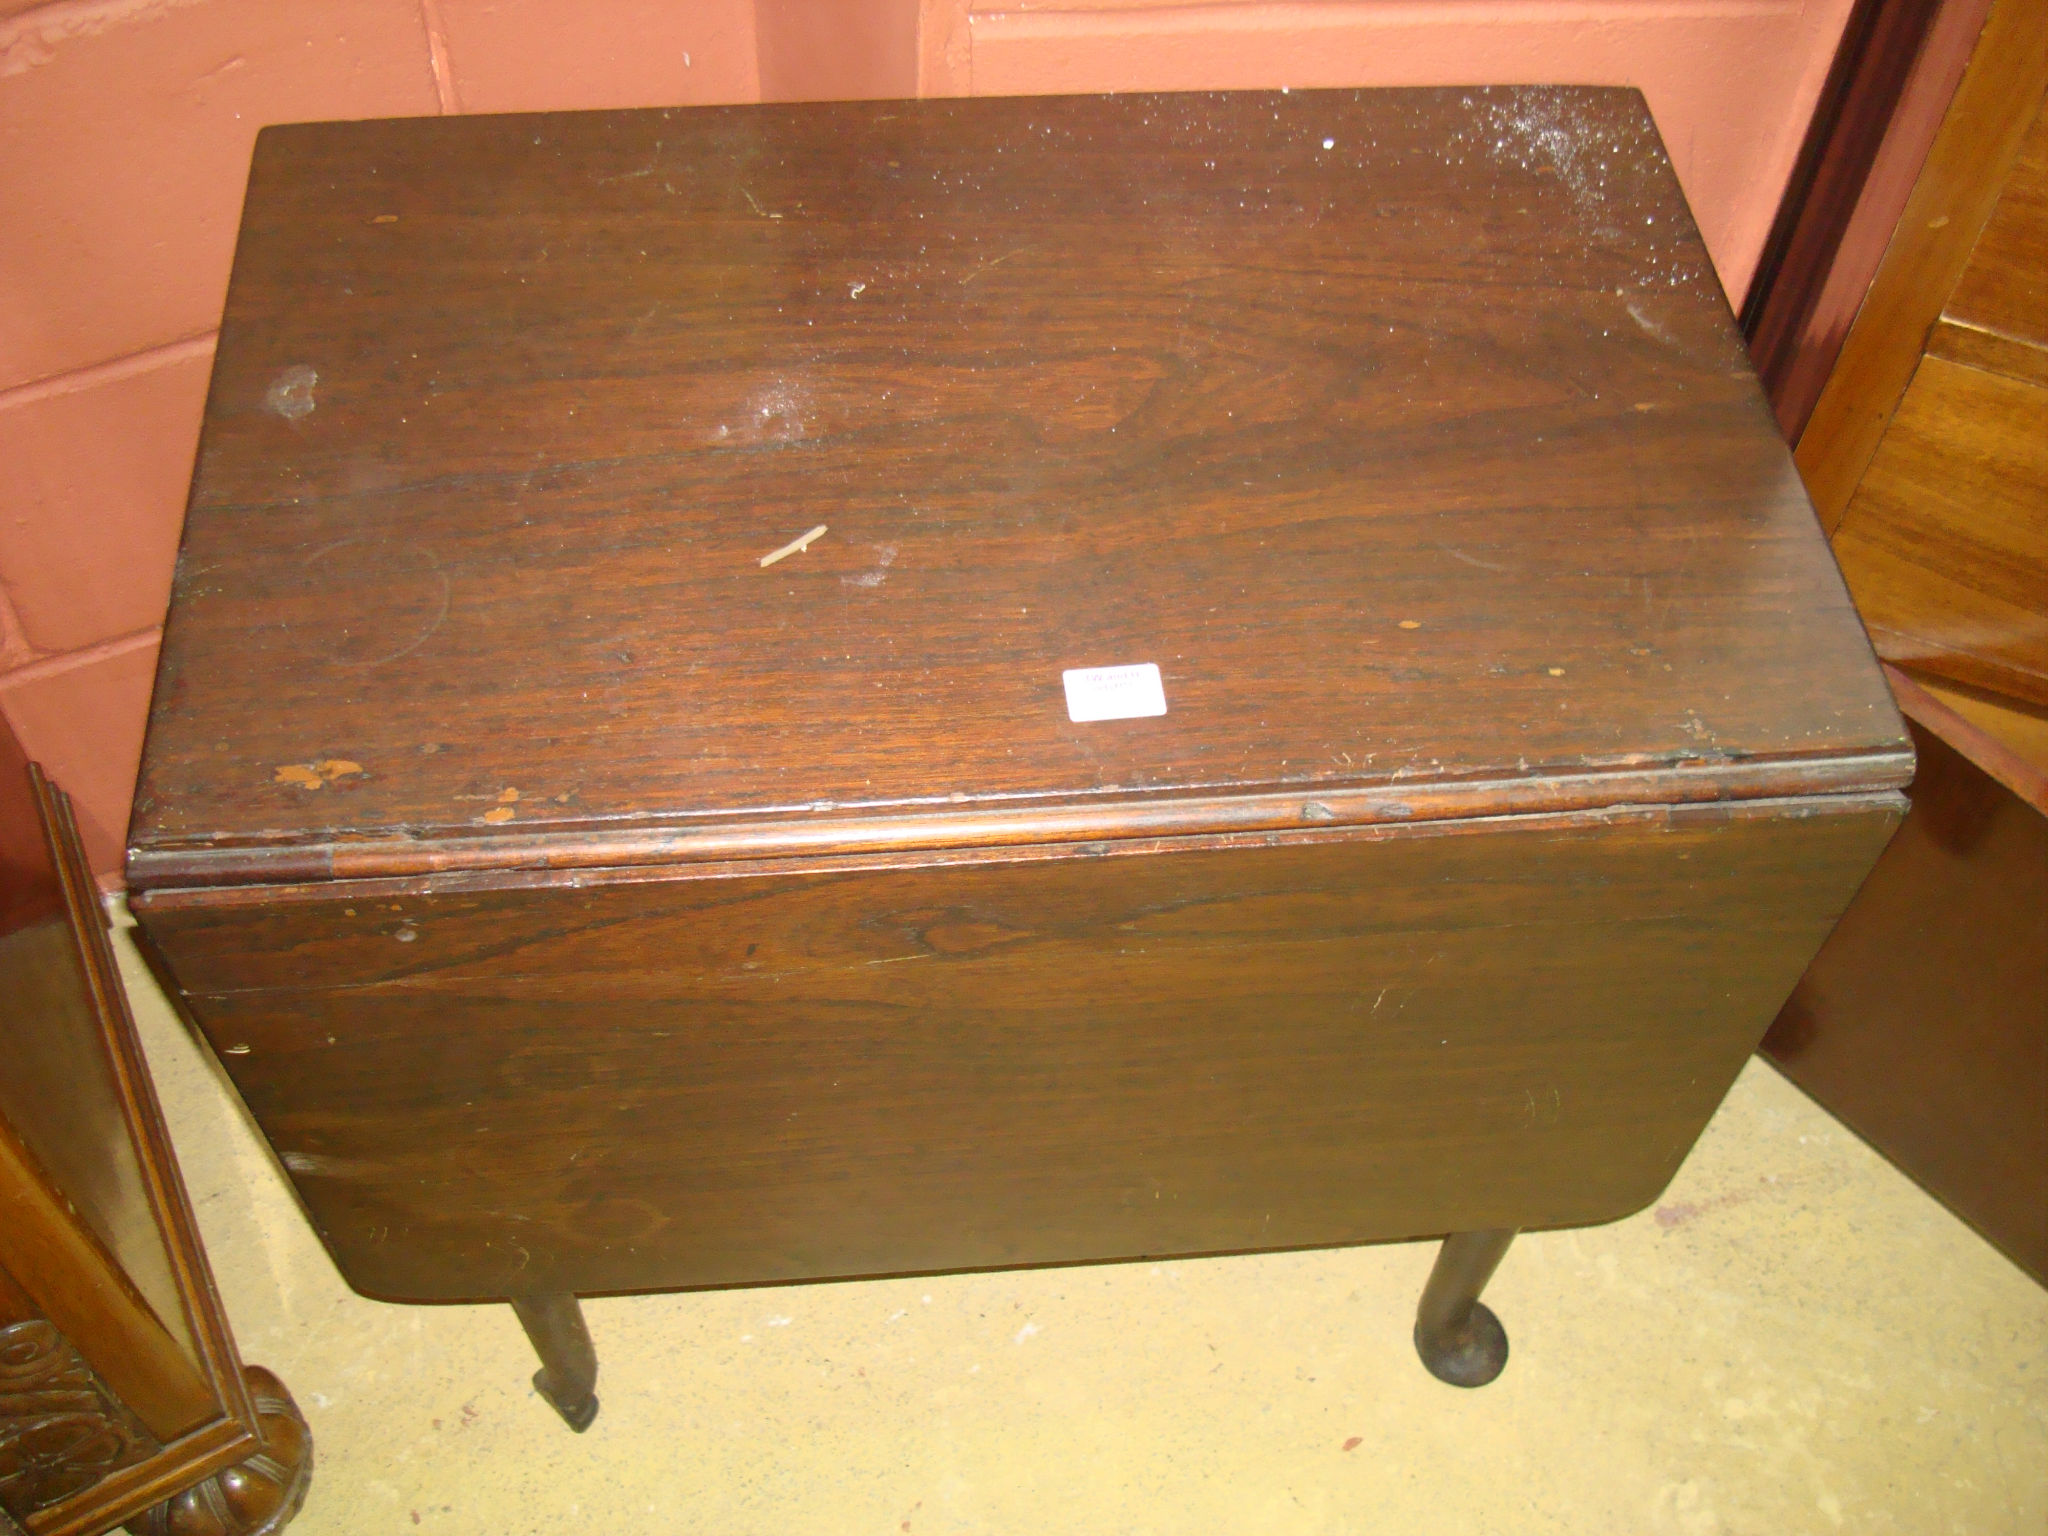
(56, 1272)
(1896, 67)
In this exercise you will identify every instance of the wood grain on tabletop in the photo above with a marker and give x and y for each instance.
(613, 1082)
(1406, 432)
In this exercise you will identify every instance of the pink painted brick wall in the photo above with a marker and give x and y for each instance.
(125, 129)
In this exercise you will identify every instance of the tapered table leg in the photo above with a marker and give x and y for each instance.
(567, 1377)
(1457, 1335)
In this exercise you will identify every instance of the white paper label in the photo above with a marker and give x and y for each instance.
(1114, 693)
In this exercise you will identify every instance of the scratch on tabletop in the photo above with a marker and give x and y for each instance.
(995, 262)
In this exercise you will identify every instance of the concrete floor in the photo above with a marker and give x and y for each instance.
(1794, 1340)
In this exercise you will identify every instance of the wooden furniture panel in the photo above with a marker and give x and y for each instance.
(1926, 455)
(2010, 737)
(121, 1396)
(1895, 70)
(1923, 1023)
(682, 864)
(59, 1094)
(770, 1076)
(1992, 351)
(1946, 541)
(62, 1428)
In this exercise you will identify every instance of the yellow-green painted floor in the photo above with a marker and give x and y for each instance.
(1795, 1339)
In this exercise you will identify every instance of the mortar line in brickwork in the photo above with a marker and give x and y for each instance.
(84, 656)
(71, 381)
(437, 51)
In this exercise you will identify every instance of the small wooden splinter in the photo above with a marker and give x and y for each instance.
(795, 546)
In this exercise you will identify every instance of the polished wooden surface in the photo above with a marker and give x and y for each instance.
(644, 1079)
(1945, 543)
(610, 803)
(1407, 433)
(1923, 1023)
(2005, 287)
(1997, 318)
(1959, 187)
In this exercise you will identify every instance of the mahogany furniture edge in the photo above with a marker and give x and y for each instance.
(543, 863)
(823, 832)
(1457, 1340)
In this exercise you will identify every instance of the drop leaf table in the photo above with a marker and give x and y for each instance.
(772, 693)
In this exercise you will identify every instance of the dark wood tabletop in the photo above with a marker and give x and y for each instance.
(1408, 433)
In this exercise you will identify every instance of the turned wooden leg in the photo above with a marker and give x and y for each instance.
(1457, 1335)
(257, 1497)
(567, 1377)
